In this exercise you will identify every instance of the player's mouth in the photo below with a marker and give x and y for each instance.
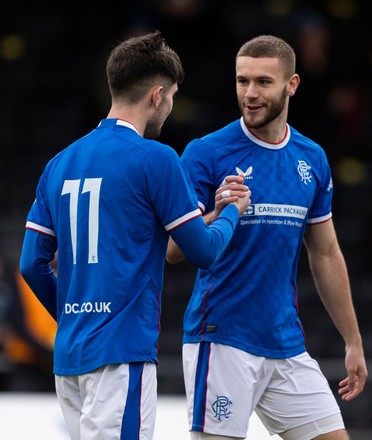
(253, 108)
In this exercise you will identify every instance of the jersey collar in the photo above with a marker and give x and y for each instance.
(264, 144)
(126, 124)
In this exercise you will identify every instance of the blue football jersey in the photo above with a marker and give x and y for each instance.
(110, 267)
(248, 298)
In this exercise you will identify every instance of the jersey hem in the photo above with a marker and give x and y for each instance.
(73, 371)
(252, 350)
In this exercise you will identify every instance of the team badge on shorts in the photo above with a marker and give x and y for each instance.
(221, 407)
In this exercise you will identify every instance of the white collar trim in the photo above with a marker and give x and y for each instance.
(264, 144)
(126, 124)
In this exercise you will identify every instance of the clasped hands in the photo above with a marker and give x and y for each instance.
(233, 190)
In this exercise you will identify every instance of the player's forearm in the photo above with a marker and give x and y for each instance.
(333, 285)
(44, 287)
(37, 253)
(210, 217)
(201, 244)
(174, 253)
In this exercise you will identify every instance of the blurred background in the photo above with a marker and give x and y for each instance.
(53, 89)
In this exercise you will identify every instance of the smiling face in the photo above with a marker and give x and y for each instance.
(263, 92)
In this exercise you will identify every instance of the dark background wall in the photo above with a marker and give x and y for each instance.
(53, 90)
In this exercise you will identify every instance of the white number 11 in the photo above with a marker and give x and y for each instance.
(92, 186)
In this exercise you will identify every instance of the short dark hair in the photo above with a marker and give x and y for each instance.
(271, 47)
(135, 65)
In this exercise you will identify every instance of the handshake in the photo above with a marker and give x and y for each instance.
(233, 190)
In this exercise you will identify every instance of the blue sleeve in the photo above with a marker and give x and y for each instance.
(37, 252)
(202, 245)
(198, 158)
(169, 186)
(322, 204)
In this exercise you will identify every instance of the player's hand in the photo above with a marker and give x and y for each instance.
(354, 383)
(232, 190)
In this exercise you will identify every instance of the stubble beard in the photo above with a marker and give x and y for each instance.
(152, 130)
(153, 127)
(272, 112)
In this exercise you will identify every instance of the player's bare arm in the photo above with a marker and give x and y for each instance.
(331, 278)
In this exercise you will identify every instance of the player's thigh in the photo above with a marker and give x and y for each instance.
(194, 435)
(222, 385)
(118, 401)
(299, 395)
(335, 435)
(68, 394)
(324, 429)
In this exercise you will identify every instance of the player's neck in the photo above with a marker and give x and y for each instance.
(272, 134)
(129, 114)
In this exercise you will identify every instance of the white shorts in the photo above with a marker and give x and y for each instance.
(113, 402)
(224, 385)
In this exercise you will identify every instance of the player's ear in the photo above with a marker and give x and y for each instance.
(293, 83)
(156, 95)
